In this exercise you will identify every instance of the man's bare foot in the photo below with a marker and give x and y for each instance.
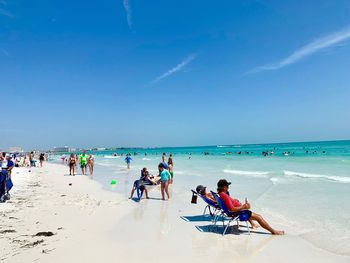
(278, 232)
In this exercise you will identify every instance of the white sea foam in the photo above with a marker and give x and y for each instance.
(340, 179)
(146, 159)
(111, 157)
(247, 173)
(104, 164)
(274, 180)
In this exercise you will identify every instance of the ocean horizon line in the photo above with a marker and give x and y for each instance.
(203, 146)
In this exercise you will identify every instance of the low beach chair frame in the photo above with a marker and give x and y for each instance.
(210, 204)
(226, 215)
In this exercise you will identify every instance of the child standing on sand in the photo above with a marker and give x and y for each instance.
(164, 177)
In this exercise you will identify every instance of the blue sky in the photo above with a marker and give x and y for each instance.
(173, 73)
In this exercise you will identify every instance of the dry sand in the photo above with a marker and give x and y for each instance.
(91, 224)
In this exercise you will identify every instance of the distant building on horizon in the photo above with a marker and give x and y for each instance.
(15, 149)
(98, 149)
(63, 149)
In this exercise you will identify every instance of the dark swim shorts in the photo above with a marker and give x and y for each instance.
(244, 215)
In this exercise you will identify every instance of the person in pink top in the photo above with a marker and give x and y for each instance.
(236, 207)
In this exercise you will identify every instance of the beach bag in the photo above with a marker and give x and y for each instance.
(194, 198)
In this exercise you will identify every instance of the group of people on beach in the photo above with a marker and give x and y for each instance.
(235, 207)
(165, 177)
(84, 160)
(10, 160)
(28, 159)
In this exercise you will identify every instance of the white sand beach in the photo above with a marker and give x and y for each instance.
(91, 224)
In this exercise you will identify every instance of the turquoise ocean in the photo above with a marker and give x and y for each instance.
(303, 188)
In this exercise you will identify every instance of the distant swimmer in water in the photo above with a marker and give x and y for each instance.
(164, 158)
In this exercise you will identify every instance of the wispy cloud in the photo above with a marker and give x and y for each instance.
(307, 50)
(4, 12)
(5, 52)
(127, 8)
(175, 69)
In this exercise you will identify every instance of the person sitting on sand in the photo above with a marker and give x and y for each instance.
(223, 186)
(140, 188)
(164, 177)
(147, 178)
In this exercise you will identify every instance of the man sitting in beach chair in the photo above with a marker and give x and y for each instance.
(235, 207)
(139, 187)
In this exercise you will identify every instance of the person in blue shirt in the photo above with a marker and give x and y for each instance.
(128, 160)
(5, 177)
(164, 177)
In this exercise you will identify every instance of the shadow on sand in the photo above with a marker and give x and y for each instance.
(198, 218)
(137, 200)
(232, 229)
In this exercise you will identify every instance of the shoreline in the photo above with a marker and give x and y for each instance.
(92, 223)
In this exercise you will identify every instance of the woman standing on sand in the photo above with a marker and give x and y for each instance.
(72, 164)
(41, 159)
(91, 163)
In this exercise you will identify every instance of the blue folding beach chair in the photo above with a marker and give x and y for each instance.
(210, 205)
(228, 215)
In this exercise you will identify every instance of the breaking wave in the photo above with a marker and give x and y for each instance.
(319, 176)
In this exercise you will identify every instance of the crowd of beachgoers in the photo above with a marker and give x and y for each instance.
(84, 160)
(219, 201)
(164, 177)
(10, 160)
